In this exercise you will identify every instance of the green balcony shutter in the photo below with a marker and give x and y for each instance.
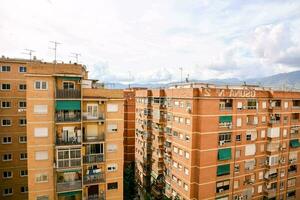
(68, 105)
(223, 170)
(225, 119)
(295, 143)
(69, 194)
(224, 154)
(69, 78)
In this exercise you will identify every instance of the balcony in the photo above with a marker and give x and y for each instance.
(271, 192)
(68, 117)
(225, 104)
(93, 158)
(292, 169)
(99, 138)
(94, 178)
(296, 104)
(68, 94)
(96, 196)
(68, 141)
(89, 117)
(68, 186)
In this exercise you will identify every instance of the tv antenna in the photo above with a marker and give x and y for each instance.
(54, 48)
(180, 68)
(29, 52)
(76, 56)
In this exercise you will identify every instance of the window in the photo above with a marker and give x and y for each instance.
(112, 167)
(250, 149)
(41, 85)
(22, 87)
(7, 174)
(22, 104)
(239, 122)
(92, 111)
(187, 155)
(7, 191)
(22, 69)
(6, 122)
(111, 148)
(186, 171)
(70, 157)
(23, 156)
(24, 189)
(112, 186)
(5, 86)
(112, 128)
(224, 138)
(236, 184)
(68, 85)
(23, 173)
(222, 186)
(263, 133)
(237, 153)
(236, 168)
(40, 178)
(6, 140)
(23, 139)
(5, 68)
(185, 187)
(41, 155)
(188, 121)
(5, 104)
(22, 122)
(291, 182)
(40, 132)
(187, 138)
(40, 109)
(7, 157)
(238, 138)
(112, 108)
(42, 197)
(264, 104)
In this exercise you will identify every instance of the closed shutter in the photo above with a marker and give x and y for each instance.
(41, 155)
(40, 132)
(250, 149)
(92, 130)
(40, 109)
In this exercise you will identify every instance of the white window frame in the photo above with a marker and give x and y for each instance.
(5, 84)
(4, 107)
(6, 142)
(44, 155)
(9, 159)
(25, 174)
(41, 85)
(22, 67)
(19, 87)
(21, 141)
(39, 178)
(73, 82)
(8, 194)
(2, 120)
(112, 107)
(6, 66)
(93, 113)
(22, 101)
(22, 119)
(23, 153)
(7, 177)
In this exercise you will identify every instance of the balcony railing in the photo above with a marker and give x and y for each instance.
(93, 178)
(68, 118)
(87, 117)
(68, 186)
(99, 138)
(68, 94)
(69, 163)
(68, 141)
(93, 158)
(96, 196)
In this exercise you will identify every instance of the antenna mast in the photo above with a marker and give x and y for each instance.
(55, 48)
(29, 52)
(76, 56)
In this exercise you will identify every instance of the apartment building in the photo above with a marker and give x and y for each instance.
(199, 141)
(74, 134)
(13, 138)
(129, 126)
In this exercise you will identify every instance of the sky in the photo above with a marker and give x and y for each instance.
(148, 41)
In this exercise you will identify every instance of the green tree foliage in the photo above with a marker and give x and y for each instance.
(129, 182)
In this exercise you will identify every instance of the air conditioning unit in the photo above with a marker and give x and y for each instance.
(221, 143)
(101, 122)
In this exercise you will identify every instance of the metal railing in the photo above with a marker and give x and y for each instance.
(100, 196)
(67, 118)
(93, 158)
(68, 186)
(68, 94)
(68, 141)
(94, 178)
(99, 138)
(86, 116)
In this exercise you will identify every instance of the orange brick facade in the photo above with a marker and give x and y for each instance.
(206, 142)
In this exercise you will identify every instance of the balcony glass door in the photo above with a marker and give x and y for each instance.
(92, 111)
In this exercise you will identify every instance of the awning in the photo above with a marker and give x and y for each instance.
(224, 119)
(223, 170)
(67, 105)
(69, 194)
(295, 143)
(69, 78)
(224, 154)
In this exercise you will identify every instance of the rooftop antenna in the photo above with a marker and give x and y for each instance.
(29, 52)
(180, 68)
(187, 78)
(55, 48)
(76, 56)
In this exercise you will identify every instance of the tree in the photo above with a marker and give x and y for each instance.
(129, 182)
